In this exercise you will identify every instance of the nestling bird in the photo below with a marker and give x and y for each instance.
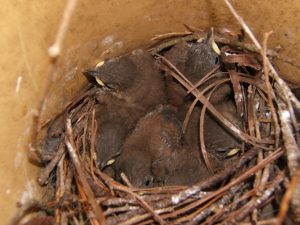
(135, 77)
(217, 137)
(132, 86)
(156, 154)
(54, 136)
(218, 140)
(114, 120)
(194, 60)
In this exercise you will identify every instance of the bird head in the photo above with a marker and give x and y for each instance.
(116, 74)
(202, 57)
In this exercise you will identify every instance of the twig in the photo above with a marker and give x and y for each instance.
(170, 35)
(289, 141)
(282, 86)
(87, 209)
(201, 133)
(62, 188)
(269, 89)
(237, 90)
(196, 36)
(242, 22)
(216, 178)
(209, 75)
(200, 215)
(69, 179)
(272, 221)
(164, 207)
(188, 115)
(205, 78)
(284, 205)
(87, 189)
(139, 218)
(223, 211)
(174, 41)
(257, 202)
(127, 190)
(196, 188)
(232, 128)
(55, 49)
(275, 155)
(120, 209)
(59, 191)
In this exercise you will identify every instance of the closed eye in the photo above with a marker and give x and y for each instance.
(216, 60)
(111, 86)
(148, 181)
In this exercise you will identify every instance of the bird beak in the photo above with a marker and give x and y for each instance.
(108, 163)
(94, 73)
(99, 81)
(211, 40)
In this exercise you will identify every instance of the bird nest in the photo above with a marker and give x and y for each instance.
(258, 183)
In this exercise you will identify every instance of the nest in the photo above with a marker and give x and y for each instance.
(261, 186)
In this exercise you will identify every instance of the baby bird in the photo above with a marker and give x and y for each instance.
(217, 136)
(134, 77)
(194, 60)
(156, 154)
(217, 139)
(131, 86)
(114, 120)
(54, 136)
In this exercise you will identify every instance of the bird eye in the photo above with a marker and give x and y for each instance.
(111, 86)
(148, 181)
(216, 60)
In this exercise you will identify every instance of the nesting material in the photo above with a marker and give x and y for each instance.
(193, 131)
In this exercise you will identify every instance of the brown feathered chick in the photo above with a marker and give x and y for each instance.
(132, 86)
(156, 154)
(194, 60)
(135, 77)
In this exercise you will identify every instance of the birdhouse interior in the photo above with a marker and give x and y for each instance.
(193, 110)
(150, 112)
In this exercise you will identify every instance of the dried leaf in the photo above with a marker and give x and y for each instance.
(243, 59)
(237, 88)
